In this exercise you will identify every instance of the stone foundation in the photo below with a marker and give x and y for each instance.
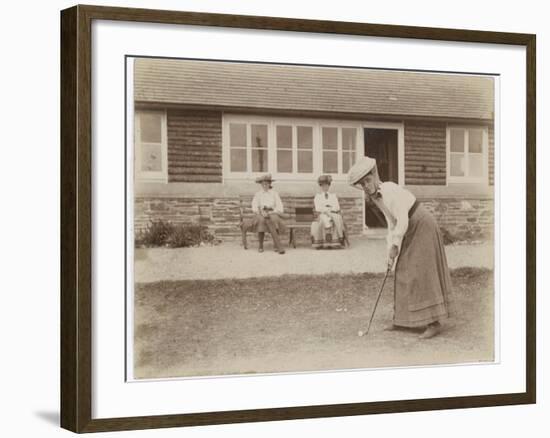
(463, 219)
(223, 215)
(459, 219)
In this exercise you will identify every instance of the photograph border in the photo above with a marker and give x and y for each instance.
(76, 217)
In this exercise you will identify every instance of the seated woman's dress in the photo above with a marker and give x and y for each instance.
(329, 228)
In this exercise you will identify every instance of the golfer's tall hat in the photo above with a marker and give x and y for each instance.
(360, 169)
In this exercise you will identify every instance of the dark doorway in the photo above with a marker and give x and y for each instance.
(381, 144)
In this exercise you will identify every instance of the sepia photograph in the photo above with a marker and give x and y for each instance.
(290, 218)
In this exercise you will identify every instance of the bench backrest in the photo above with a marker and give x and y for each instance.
(304, 214)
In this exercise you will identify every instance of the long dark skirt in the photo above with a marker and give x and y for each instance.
(422, 280)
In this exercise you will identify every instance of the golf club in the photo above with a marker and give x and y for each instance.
(361, 333)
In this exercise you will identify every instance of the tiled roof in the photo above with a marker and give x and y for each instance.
(314, 89)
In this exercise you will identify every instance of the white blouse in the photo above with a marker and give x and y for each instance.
(269, 199)
(396, 205)
(324, 203)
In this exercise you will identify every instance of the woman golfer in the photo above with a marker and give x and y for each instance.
(422, 280)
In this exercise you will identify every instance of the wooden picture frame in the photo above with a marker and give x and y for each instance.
(76, 218)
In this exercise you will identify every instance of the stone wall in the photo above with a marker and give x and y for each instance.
(222, 215)
(459, 218)
(463, 219)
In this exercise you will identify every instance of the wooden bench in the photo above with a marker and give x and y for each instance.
(304, 217)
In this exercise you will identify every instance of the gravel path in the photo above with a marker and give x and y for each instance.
(229, 260)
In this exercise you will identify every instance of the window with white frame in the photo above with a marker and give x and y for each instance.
(290, 148)
(294, 145)
(349, 148)
(151, 156)
(259, 145)
(330, 149)
(304, 146)
(467, 154)
(285, 145)
(238, 147)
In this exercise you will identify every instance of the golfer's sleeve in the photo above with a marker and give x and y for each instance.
(401, 213)
(400, 227)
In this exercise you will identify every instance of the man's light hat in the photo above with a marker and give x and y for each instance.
(360, 169)
(266, 177)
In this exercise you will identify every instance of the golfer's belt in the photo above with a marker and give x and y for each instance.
(413, 208)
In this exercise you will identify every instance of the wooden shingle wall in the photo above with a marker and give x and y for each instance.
(194, 146)
(425, 153)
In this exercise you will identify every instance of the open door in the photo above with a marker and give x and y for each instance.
(381, 144)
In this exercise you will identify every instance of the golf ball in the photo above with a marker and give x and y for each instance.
(360, 333)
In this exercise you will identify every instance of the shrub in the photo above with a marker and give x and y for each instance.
(448, 237)
(157, 233)
(189, 235)
(463, 236)
(163, 233)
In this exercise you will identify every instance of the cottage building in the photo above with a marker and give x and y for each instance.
(204, 130)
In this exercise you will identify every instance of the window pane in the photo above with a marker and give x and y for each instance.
(238, 160)
(457, 164)
(348, 138)
(330, 162)
(151, 127)
(237, 135)
(284, 161)
(305, 137)
(330, 138)
(475, 168)
(259, 160)
(151, 157)
(284, 137)
(475, 141)
(457, 140)
(258, 136)
(305, 161)
(348, 159)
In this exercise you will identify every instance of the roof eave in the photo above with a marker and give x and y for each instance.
(140, 104)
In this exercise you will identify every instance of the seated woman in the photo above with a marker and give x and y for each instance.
(268, 209)
(329, 229)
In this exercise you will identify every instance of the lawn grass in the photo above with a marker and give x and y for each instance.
(297, 323)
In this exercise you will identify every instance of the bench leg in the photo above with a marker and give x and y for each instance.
(292, 239)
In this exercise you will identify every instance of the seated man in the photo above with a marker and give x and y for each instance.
(329, 229)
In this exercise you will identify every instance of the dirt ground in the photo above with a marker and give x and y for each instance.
(298, 323)
(229, 260)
